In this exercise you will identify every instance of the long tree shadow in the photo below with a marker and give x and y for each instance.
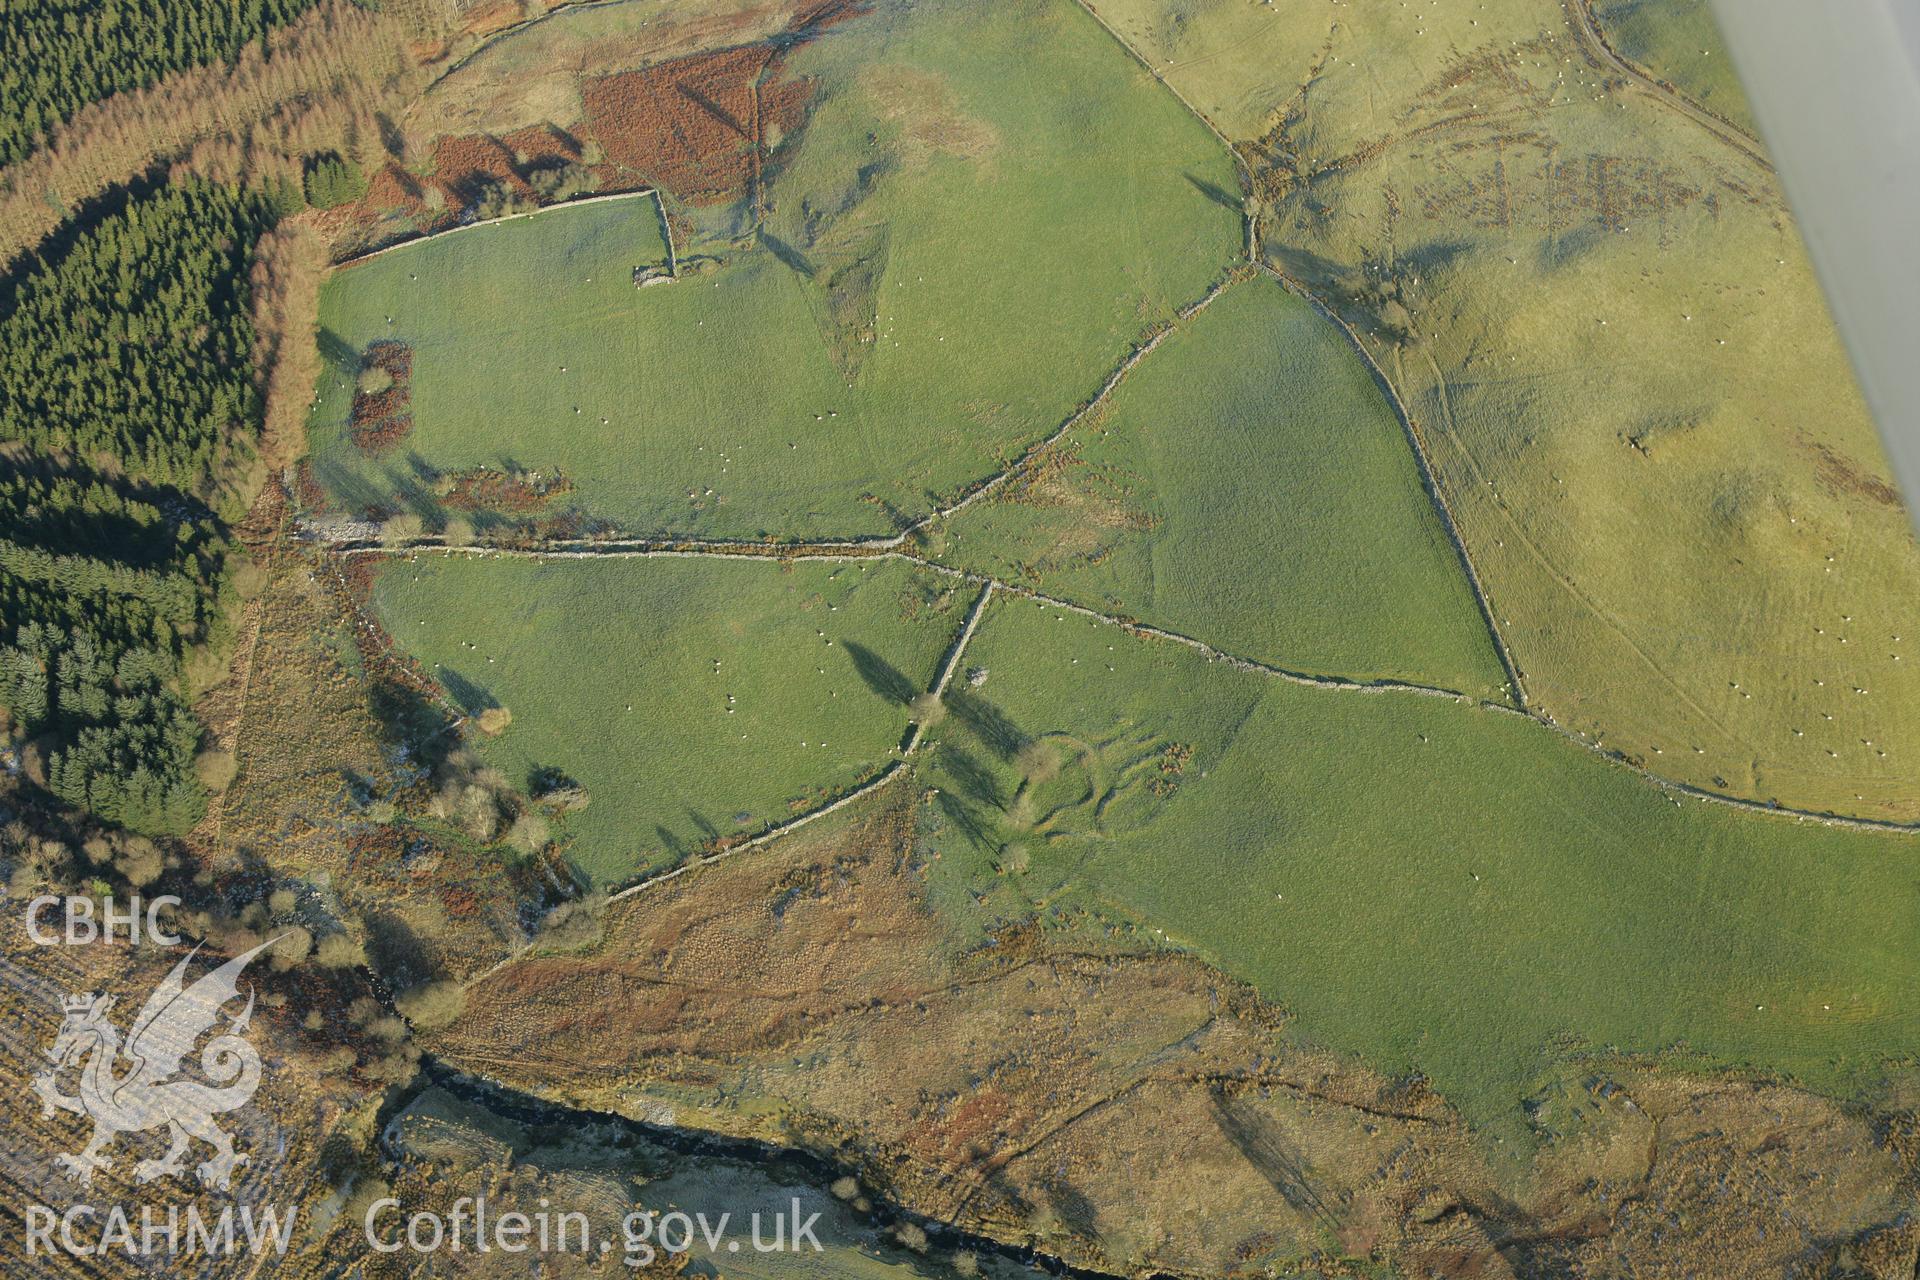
(414, 720)
(472, 698)
(692, 94)
(1272, 1156)
(792, 257)
(973, 778)
(709, 834)
(988, 722)
(880, 675)
(335, 350)
(1075, 1211)
(677, 849)
(965, 820)
(1216, 193)
(396, 950)
(1432, 257)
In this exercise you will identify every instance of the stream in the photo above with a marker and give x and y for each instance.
(700, 1171)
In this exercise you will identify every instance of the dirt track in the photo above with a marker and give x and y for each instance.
(1593, 42)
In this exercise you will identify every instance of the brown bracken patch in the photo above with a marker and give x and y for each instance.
(308, 491)
(485, 489)
(382, 414)
(1136, 1114)
(401, 203)
(701, 126)
(694, 126)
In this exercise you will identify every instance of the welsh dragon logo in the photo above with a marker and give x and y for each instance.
(151, 1092)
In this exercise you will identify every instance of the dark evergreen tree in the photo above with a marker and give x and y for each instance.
(332, 181)
(62, 54)
(133, 338)
(124, 370)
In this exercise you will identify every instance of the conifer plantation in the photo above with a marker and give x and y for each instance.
(133, 338)
(124, 374)
(67, 53)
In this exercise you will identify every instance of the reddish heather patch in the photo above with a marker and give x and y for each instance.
(401, 201)
(549, 529)
(488, 17)
(307, 489)
(461, 166)
(1841, 476)
(356, 575)
(381, 846)
(460, 900)
(696, 126)
(380, 419)
(377, 437)
(484, 489)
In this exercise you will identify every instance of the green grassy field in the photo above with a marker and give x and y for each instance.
(881, 347)
(1426, 883)
(1600, 313)
(1657, 453)
(695, 699)
(1248, 485)
(1614, 351)
(1679, 42)
(1238, 63)
(492, 313)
